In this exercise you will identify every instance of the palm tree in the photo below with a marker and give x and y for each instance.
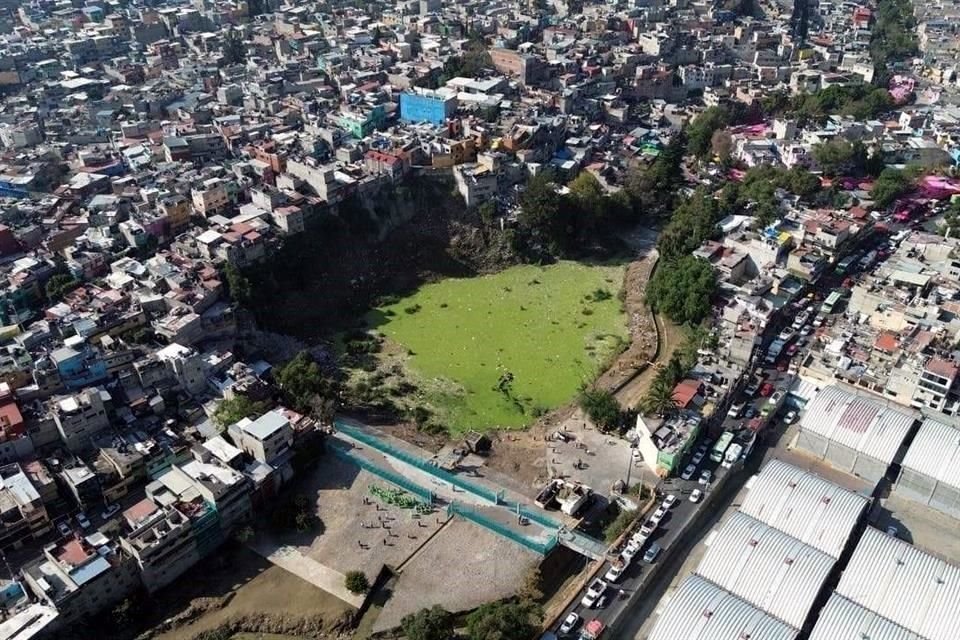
(659, 398)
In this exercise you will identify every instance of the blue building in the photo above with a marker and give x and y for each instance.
(79, 369)
(427, 106)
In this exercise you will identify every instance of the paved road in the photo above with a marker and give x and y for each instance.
(634, 578)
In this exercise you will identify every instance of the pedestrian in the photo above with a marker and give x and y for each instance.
(359, 544)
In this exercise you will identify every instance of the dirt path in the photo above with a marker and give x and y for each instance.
(671, 337)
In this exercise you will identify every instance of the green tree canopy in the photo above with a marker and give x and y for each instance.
(60, 285)
(503, 621)
(890, 185)
(435, 623)
(239, 285)
(303, 383)
(693, 221)
(681, 289)
(356, 582)
(701, 129)
(602, 408)
(238, 407)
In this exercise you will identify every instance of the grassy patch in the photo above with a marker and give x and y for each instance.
(495, 351)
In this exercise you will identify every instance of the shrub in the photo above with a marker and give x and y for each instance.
(356, 582)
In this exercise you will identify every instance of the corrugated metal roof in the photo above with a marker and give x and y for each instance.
(766, 567)
(935, 452)
(700, 610)
(910, 587)
(842, 619)
(859, 423)
(803, 505)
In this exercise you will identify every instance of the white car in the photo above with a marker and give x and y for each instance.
(83, 521)
(632, 549)
(669, 501)
(570, 623)
(695, 495)
(806, 330)
(697, 458)
(735, 410)
(705, 477)
(64, 528)
(689, 471)
(648, 527)
(658, 515)
(597, 588)
(790, 418)
(616, 570)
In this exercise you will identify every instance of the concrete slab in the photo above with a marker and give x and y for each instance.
(921, 526)
(308, 569)
(461, 568)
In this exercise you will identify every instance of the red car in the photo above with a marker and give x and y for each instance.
(766, 390)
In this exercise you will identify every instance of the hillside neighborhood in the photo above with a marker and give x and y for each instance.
(500, 320)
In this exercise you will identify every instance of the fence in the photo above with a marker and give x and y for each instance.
(543, 547)
(424, 465)
(394, 478)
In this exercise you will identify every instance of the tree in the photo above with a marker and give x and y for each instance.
(681, 289)
(237, 284)
(60, 285)
(236, 408)
(541, 213)
(356, 582)
(503, 621)
(891, 184)
(834, 157)
(302, 383)
(435, 623)
(693, 221)
(659, 398)
(602, 408)
(721, 144)
(234, 48)
(701, 129)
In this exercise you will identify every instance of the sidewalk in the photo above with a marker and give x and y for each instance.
(306, 568)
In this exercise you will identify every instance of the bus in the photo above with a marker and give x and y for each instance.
(721, 447)
(831, 302)
(845, 264)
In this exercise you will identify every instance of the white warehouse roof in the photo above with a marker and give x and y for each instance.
(935, 452)
(803, 505)
(864, 425)
(700, 610)
(842, 619)
(904, 584)
(766, 567)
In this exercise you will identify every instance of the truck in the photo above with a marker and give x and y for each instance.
(774, 351)
(732, 455)
(573, 497)
(720, 447)
(592, 630)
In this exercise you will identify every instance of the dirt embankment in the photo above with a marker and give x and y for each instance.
(641, 325)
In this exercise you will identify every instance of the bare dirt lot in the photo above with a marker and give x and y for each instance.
(254, 589)
(463, 567)
(344, 504)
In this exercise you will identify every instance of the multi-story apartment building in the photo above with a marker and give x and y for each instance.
(267, 439)
(23, 516)
(161, 542)
(81, 576)
(80, 418)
